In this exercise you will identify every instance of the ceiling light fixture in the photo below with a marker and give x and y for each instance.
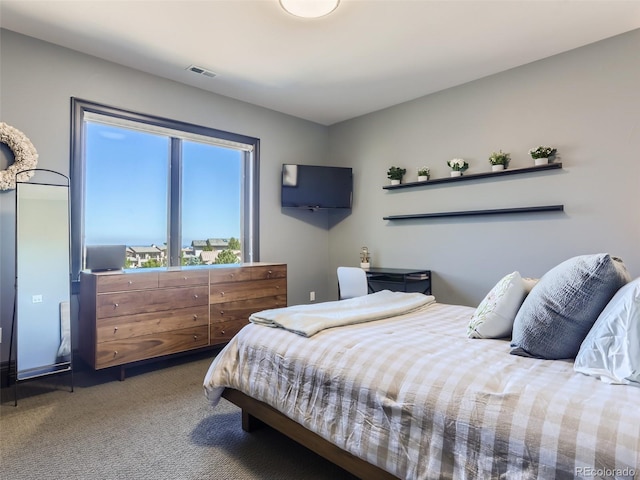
(309, 8)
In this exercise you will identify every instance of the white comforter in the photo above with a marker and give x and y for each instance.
(416, 397)
(307, 320)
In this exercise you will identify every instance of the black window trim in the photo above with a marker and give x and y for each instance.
(250, 219)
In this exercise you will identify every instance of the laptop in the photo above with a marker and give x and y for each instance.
(100, 258)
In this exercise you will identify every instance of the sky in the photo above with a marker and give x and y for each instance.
(127, 184)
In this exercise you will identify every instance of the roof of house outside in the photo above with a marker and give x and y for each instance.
(218, 242)
(145, 249)
(211, 242)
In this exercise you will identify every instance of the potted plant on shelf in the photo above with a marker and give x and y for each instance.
(499, 160)
(541, 154)
(423, 174)
(458, 165)
(395, 174)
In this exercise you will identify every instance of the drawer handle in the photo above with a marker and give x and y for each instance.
(222, 331)
(221, 312)
(115, 353)
(195, 296)
(195, 337)
(195, 317)
(115, 329)
(130, 282)
(222, 294)
(115, 305)
(231, 275)
(270, 272)
(184, 278)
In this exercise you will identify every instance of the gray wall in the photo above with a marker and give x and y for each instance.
(37, 80)
(585, 102)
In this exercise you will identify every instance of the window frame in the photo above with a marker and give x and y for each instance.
(251, 194)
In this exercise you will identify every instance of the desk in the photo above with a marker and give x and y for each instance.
(399, 280)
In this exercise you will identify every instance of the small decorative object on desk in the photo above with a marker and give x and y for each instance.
(499, 160)
(364, 258)
(418, 276)
(423, 174)
(395, 174)
(541, 154)
(458, 165)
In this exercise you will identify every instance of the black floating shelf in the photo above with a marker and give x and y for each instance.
(476, 176)
(467, 213)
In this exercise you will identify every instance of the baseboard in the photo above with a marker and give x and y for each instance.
(79, 365)
(5, 369)
(7, 372)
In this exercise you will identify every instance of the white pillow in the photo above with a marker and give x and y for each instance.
(494, 316)
(611, 350)
(529, 283)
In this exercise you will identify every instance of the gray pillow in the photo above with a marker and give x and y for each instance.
(557, 315)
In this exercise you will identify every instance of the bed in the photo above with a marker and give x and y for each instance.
(412, 396)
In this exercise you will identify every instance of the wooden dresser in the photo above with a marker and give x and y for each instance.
(236, 293)
(136, 315)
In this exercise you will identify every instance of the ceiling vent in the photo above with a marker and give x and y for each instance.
(201, 71)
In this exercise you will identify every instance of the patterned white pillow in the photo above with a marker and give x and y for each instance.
(494, 316)
(611, 350)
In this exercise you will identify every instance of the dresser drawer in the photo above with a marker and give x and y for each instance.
(268, 271)
(118, 328)
(127, 350)
(222, 332)
(130, 303)
(227, 311)
(229, 274)
(122, 282)
(228, 292)
(131, 316)
(183, 278)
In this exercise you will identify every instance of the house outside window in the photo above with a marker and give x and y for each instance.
(168, 190)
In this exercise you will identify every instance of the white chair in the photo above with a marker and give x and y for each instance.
(352, 282)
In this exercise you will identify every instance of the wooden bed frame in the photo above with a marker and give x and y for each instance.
(256, 413)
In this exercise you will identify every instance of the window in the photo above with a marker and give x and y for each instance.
(173, 193)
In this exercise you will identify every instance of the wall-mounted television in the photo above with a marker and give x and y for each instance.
(316, 187)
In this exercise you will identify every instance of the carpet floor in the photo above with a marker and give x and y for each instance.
(156, 425)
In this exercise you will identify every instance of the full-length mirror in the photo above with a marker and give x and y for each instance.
(42, 318)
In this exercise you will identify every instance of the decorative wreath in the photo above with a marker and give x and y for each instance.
(25, 155)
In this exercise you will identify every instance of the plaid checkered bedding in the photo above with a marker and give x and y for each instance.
(416, 397)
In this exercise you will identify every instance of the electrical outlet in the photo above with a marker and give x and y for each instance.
(312, 296)
(36, 299)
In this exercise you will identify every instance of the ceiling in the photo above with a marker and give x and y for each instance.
(365, 56)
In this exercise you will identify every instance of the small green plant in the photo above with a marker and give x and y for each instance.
(499, 158)
(423, 171)
(542, 152)
(396, 173)
(458, 164)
